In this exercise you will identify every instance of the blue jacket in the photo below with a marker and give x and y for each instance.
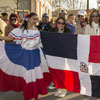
(71, 27)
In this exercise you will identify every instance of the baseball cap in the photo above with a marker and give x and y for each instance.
(63, 12)
(82, 12)
(45, 16)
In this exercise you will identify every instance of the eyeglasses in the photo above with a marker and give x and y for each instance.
(13, 19)
(95, 15)
(61, 23)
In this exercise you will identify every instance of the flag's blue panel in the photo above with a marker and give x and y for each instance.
(95, 82)
(27, 58)
(59, 45)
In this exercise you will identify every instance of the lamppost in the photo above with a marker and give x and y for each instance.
(87, 4)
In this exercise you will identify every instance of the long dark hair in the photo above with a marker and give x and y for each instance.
(90, 18)
(24, 26)
(66, 26)
(17, 18)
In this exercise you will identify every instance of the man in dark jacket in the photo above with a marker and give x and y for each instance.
(44, 25)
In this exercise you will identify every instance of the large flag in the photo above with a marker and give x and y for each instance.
(21, 70)
(74, 61)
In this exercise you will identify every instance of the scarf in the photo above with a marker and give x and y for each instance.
(96, 28)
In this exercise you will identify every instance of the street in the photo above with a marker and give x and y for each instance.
(19, 96)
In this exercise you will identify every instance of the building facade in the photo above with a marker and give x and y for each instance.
(42, 6)
(23, 6)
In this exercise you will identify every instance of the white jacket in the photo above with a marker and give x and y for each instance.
(2, 27)
(92, 30)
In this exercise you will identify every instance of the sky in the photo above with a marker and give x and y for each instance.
(93, 4)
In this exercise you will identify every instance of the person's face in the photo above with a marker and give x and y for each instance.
(71, 19)
(44, 20)
(81, 18)
(60, 24)
(14, 20)
(95, 17)
(33, 20)
(4, 17)
(62, 15)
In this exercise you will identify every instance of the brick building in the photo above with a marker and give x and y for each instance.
(23, 6)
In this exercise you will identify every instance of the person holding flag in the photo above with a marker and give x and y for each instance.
(61, 27)
(25, 68)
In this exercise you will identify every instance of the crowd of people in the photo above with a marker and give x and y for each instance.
(77, 24)
(82, 23)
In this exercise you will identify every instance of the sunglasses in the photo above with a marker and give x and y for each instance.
(61, 23)
(95, 15)
(13, 19)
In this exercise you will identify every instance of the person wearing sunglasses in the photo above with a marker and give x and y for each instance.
(13, 23)
(61, 26)
(93, 28)
(30, 50)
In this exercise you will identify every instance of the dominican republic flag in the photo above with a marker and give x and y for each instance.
(20, 70)
(74, 61)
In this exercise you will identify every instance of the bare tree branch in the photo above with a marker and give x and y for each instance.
(70, 4)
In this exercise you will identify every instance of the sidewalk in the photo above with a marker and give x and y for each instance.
(50, 96)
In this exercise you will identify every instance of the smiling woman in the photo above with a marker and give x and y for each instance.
(25, 67)
(61, 26)
(93, 28)
(13, 23)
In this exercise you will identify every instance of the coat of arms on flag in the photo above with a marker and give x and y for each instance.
(83, 67)
(74, 61)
